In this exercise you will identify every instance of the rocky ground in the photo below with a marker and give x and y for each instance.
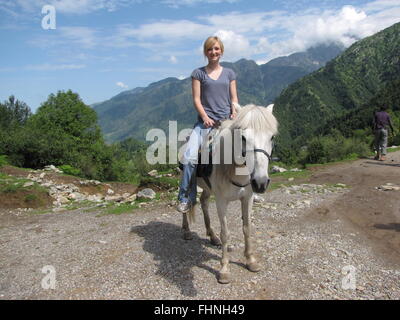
(335, 236)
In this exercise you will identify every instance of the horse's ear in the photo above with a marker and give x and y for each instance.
(270, 108)
(237, 106)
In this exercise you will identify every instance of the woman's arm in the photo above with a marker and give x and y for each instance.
(196, 92)
(234, 98)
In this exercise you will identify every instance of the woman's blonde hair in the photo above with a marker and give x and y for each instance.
(210, 42)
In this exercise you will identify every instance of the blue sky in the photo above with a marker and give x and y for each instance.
(102, 47)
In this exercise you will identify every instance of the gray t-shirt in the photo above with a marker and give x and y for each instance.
(215, 94)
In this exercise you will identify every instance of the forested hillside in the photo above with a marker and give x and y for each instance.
(342, 93)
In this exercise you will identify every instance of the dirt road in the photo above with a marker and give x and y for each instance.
(375, 213)
(314, 241)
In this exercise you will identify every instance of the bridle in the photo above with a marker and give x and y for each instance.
(244, 164)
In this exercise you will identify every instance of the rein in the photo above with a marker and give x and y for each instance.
(255, 150)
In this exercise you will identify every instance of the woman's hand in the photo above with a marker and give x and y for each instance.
(233, 114)
(208, 122)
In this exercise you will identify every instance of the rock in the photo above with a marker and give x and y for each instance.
(340, 185)
(116, 198)
(278, 169)
(62, 200)
(295, 170)
(153, 173)
(94, 198)
(52, 168)
(146, 193)
(28, 184)
(258, 199)
(131, 198)
(110, 192)
(76, 196)
(389, 187)
(290, 179)
(41, 176)
(87, 182)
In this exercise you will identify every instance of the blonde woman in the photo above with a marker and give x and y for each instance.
(214, 92)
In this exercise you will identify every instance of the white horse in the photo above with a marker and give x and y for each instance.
(233, 179)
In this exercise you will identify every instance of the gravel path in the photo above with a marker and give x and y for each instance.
(306, 250)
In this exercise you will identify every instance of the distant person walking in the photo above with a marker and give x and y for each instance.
(381, 123)
(214, 92)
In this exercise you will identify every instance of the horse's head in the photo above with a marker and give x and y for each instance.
(256, 128)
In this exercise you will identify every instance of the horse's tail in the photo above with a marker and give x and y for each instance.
(191, 214)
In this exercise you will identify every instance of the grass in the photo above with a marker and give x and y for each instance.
(284, 177)
(11, 184)
(393, 149)
(123, 208)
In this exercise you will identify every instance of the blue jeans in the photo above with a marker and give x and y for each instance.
(188, 185)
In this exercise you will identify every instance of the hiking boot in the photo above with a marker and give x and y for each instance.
(184, 207)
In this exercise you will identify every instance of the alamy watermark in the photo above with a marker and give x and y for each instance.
(349, 281)
(49, 20)
(49, 281)
(231, 147)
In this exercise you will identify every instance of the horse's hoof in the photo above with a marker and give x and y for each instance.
(253, 266)
(224, 278)
(215, 241)
(187, 235)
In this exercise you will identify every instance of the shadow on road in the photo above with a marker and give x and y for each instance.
(176, 256)
(389, 226)
(384, 163)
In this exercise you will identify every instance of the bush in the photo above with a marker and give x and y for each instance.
(67, 169)
(335, 147)
(3, 160)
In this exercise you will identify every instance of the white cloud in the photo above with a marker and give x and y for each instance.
(122, 85)
(279, 33)
(235, 46)
(173, 60)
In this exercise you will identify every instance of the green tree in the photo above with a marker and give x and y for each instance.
(13, 116)
(64, 131)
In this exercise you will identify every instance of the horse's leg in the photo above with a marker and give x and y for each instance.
(187, 235)
(224, 273)
(251, 262)
(204, 200)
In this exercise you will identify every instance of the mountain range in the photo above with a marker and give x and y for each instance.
(133, 112)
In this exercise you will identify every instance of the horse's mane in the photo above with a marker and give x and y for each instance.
(260, 119)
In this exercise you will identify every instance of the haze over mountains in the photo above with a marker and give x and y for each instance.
(133, 112)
